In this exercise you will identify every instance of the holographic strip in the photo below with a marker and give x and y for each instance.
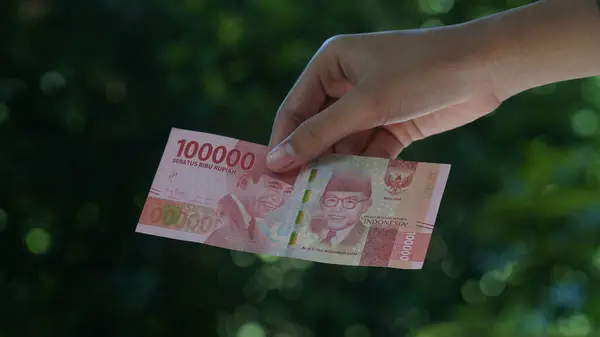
(305, 198)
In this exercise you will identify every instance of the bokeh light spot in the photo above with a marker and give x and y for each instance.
(580, 325)
(432, 23)
(504, 273)
(245, 313)
(251, 329)
(435, 6)
(4, 113)
(230, 30)
(584, 122)
(270, 277)
(471, 292)
(596, 259)
(242, 259)
(567, 294)
(357, 330)
(37, 240)
(267, 258)
(52, 81)
(3, 220)
(292, 284)
(293, 54)
(590, 90)
(490, 285)
(577, 325)
(215, 86)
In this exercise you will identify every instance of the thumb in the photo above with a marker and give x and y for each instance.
(315, 135)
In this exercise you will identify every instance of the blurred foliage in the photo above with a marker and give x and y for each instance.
(89, 91)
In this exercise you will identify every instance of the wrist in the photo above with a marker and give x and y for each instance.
(544, 42)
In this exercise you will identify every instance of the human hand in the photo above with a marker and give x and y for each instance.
(375, 94)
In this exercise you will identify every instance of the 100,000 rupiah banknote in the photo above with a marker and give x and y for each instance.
(340, 209)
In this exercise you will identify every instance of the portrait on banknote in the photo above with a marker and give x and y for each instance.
(253, 195)
(337, 222)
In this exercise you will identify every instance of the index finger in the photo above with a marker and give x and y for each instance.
(304, 100)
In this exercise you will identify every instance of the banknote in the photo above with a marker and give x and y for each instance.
(339, 209)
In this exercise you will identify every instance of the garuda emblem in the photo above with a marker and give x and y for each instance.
(399, 176)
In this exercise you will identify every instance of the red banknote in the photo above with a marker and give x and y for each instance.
(340, 209)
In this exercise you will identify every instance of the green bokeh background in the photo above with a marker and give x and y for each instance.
(89, 91)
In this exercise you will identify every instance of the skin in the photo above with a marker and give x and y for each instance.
(375, 94)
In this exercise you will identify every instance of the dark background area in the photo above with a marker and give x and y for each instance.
(89, 91)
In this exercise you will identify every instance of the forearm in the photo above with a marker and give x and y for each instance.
(545, 42)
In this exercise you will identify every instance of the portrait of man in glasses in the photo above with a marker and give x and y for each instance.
(346, 197)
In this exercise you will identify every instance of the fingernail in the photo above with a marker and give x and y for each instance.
(281, 156)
